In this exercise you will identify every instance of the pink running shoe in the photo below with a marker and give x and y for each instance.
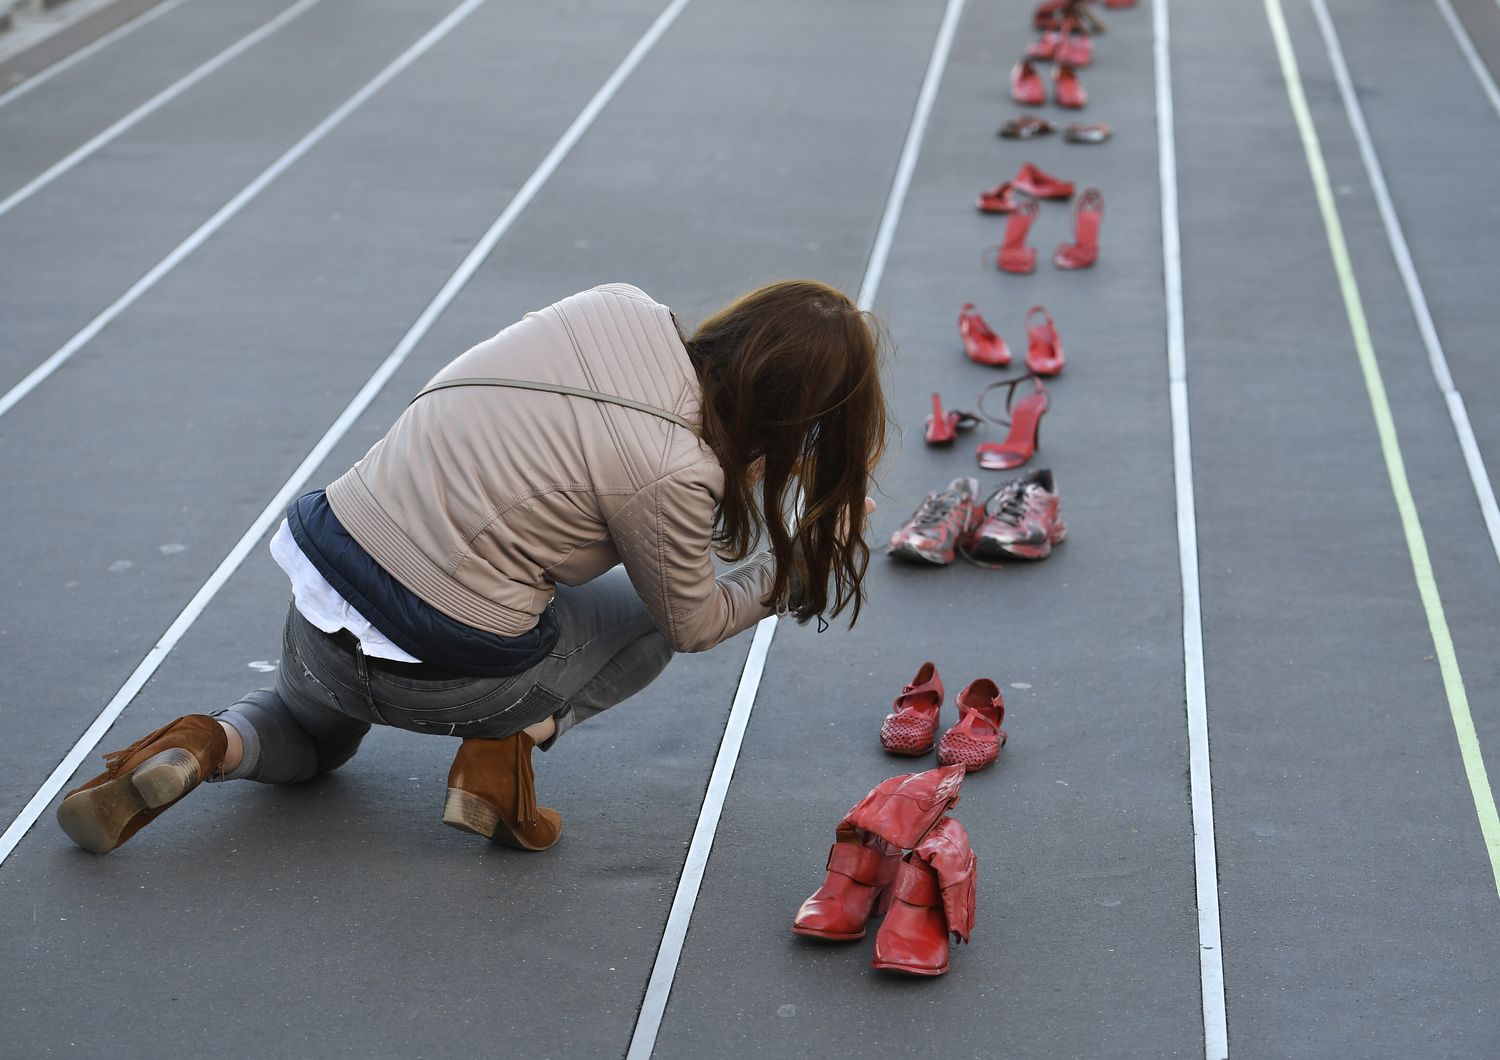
(936, 529)
(1020, 520)
(976, 740)
(911, 728)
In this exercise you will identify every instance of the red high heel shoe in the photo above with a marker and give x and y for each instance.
(1040, 184)
(942, 427)
(1074, 45)
(999, 199)
(980, 341)
(976, 740)
(1067, 88)
(934, 897)
(1015, 256)
(1084, 250)
(866, 853)
(1026, 85)
(1025, 425)
(911, 727)
(1044, 352)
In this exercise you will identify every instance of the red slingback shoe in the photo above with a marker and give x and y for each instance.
(1044, 352)
(1025, 425)
(911, 727)
(1074, 45)
(1026, 85)
(1067, 88)
(1014, 255)
(999, 199)
(934, 897)
(1040, 184)
(1084, 250)
(980, 341)
(942, 427)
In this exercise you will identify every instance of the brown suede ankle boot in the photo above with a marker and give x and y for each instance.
(141, 781)
(492, 792)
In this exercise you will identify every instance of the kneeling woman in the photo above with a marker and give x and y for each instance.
(534, 538)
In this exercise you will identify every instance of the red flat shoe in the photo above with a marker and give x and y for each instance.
(976, 740)
(1026, 85)
(1044, 352)
(1025, 425)
(942, 427)
(1074, 45)
(1044, 47)
(1084, 250)
(1039, 184)
(934, 897)
(1083, 133)
(1014, 255)
(999, 199)
(1067, 88)
(980, 341)
(911, 727)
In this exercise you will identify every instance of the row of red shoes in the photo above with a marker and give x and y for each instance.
(1017, 197)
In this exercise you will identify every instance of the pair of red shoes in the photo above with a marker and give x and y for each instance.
(1044, 352)
(1029, 180)
(1023, 419)
(974, 743)
(1028, 89)
(1015, 256)
(1069, 43)
(897, 854)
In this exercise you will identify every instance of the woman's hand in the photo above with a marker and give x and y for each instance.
(844, 523)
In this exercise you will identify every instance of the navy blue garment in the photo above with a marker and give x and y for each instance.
(412, 625)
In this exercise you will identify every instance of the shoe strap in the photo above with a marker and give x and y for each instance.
(861, 863)
(917, 884)
(1010, 394)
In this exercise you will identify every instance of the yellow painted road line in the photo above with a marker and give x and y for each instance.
(1390, 448)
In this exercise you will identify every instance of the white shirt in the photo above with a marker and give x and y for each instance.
(321, 604)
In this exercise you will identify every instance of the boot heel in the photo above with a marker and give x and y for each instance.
(469, 813)
(165, 777)
(883, 901)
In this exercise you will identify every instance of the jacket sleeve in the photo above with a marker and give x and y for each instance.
(664, 537)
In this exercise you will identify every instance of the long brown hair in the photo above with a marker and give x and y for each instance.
(791, 378)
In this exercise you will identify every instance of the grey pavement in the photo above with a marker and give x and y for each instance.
(1360, 914)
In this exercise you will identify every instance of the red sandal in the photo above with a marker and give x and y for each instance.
(981, 343)
(1026, 85)
(976, 740)
(1084, 250)
(1025, 425)
(942, 427)
(1014, 255)
(911, 727)
(1040, 184)
(1067, 88)
(1044, 352)
(999, 199)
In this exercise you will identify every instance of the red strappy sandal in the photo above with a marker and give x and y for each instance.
(999, 199)
(1026, 85)
(1040, 184)
(943, 427)
(980, 341)
(1015, 256)
(1044, 352)
(1084, 250)
(1067, 88)
(1025, 425)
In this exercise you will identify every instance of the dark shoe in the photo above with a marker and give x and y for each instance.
(911, 727)
(933, 898)
(1026, 127)
(492, 792)
(939, 526)
(976, 740)
(1021, 520)
(142, 781)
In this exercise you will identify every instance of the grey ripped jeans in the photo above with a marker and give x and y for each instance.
(328, 693)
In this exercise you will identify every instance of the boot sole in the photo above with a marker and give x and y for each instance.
(469, 813)
(94, 819)
(906, 969)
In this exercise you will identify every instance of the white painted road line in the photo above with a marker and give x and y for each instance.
(227, 212)
(669, 952)
(1471, 54)
(92, 48)
(1479, 475)
(273, 511)
(146, 109)
(1205, 854)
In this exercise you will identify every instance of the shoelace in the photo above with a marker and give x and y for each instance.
(936, 508)
(1012, 505)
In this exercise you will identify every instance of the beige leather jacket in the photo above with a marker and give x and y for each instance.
(480, 498)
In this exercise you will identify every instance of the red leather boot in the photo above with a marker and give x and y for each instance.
(934, 897)
(867, 851)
